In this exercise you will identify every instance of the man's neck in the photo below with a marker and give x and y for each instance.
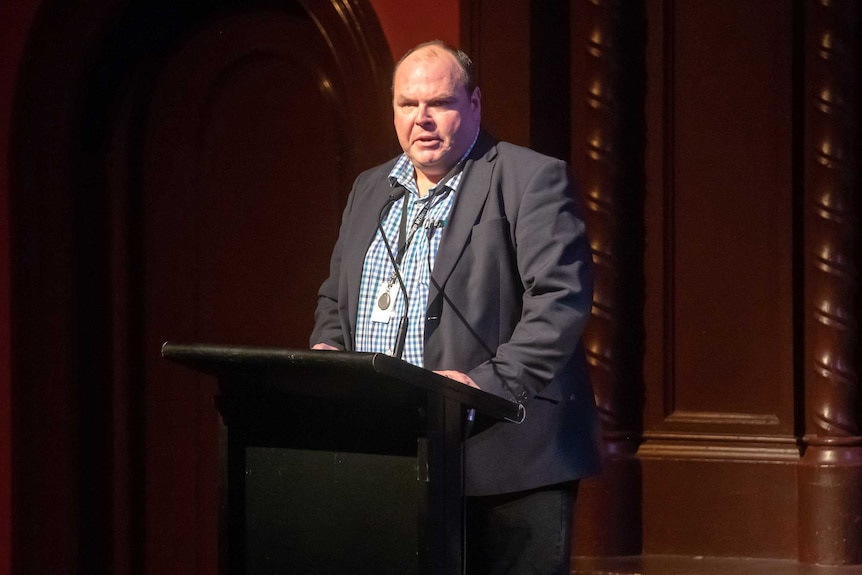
(424, 183)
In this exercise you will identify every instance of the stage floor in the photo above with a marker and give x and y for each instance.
(675, 565)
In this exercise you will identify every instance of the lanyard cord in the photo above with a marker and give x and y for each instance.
(405, 238)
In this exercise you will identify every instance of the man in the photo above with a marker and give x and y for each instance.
(493, 254)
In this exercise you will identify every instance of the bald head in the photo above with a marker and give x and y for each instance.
(436, 48)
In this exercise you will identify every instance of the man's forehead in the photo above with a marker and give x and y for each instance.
(412, 83)
(424, 59)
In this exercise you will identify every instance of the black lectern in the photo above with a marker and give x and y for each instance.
(308, 401)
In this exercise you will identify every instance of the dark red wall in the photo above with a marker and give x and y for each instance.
(409, 22)
(15, 21)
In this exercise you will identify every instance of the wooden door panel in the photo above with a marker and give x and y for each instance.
(720, 219)
(256, 128)
(720, 364)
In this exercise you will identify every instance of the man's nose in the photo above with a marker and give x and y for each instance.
(422, 115)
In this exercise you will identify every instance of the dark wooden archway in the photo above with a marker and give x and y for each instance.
(178, 173)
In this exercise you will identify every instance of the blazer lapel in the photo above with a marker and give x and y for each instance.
(469, 201)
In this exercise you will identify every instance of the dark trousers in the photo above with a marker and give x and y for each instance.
(527, 532)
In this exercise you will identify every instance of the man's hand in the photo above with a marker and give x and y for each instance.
(325, 346)
(458, 376)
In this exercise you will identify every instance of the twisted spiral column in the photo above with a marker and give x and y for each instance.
(612, 185)
(601, 185)
(830, 227)
(830, 474)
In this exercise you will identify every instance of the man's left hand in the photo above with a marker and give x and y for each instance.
(458, 376)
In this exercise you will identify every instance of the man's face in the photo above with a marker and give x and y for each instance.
(435, 118)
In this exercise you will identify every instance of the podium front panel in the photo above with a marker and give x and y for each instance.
(311, 512)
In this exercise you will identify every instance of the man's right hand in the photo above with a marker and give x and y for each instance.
(325, 346)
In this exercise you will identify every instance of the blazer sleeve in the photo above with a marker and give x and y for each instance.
(327, 316)
(554, 262)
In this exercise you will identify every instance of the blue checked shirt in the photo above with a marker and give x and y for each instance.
(416, 265)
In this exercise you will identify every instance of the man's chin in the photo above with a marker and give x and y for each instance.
(427, 161)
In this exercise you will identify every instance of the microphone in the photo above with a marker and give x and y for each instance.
(401, 337)
(393, 197)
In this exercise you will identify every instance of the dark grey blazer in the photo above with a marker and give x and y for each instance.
(510, 294)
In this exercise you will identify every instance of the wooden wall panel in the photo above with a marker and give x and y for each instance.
(731, 154)
(15, 21)
(720, 363)
(720, 211)
(497, 41)
(60, 414)
(721, 507)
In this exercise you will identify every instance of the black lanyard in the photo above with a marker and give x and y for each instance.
(405, 238)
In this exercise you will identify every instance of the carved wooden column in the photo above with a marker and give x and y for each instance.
(830, 474)
(608, 520)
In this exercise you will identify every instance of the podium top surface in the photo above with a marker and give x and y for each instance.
(319, 373)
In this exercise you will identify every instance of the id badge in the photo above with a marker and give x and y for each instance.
(384, 303)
